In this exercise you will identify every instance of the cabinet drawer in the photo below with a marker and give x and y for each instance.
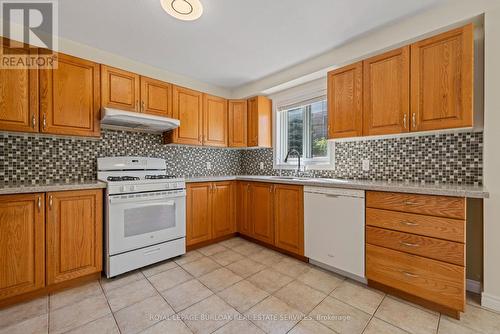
(435, 281)
(447, 251)
(441, 206)
(430, 226)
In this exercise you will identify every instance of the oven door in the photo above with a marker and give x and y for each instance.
(144, 219)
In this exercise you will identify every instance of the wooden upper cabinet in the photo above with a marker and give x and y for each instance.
(18, 94)
(214, 121)
(70, 97)
(243, 208)
(237, 127)
(188, 108)
(74, 234)
(22, 244)
(259, 122)
(198, 213)
(120, 89)
(223, 198)
(386, 93)
(261, 211)
(345, 107)
(156, 97)
(442, 80)
(289, 218)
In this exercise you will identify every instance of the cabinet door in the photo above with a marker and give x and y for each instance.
(345, 110)
(69, 97)
(187, 107)
(243, 209)
(289, 217)
(237, 127)
(386, 80)
(119, 89)
(261, 211)
(222, 209)
(74, 234)
(442, 80)
(259, 122)
(156, 97)
(18, 94)
(22, 244)
(214, 121)
(198, 212)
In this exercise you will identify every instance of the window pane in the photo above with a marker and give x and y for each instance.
(295, 129)
(318, 129)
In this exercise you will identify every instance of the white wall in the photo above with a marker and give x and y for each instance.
(491, 294)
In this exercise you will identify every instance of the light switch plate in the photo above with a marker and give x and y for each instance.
(209, 165)
(366, 165)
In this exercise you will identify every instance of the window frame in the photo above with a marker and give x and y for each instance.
(286, 100)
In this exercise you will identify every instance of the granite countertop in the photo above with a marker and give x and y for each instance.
(470, 191)
(20, 188)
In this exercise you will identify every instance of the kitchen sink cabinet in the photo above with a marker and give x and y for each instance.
(74, 234)
(48, 241)
(259, 122)
(289, 217)
(215, 118)
(210, 212)
(261, 211)
(22, 244)
(70, 97)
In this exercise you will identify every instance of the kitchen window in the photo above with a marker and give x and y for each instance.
(303, 126)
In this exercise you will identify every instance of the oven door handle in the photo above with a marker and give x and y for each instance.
(138, 200)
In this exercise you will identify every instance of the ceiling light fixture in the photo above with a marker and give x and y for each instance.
(186, 10)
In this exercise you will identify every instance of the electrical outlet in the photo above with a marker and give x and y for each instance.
(209, 165)
(366, 165)
(261, 165)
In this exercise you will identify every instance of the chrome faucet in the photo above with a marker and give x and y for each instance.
(295, 152)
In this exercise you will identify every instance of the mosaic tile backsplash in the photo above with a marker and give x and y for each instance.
(455, 158)
(450, 158)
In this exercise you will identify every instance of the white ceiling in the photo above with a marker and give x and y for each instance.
(235, 42)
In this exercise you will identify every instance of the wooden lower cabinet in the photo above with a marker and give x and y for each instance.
(47, 239)
(415, 248)
(244, 225)
(209, 211)
(261, 211)
(74, 234)
(289, 218)
(22, 244)
(223, 197)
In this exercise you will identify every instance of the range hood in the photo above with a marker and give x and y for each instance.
(137, 121)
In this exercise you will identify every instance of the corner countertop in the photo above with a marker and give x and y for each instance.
(454, 190)
(23, 188)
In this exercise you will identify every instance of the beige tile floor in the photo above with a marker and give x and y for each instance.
(234, 287)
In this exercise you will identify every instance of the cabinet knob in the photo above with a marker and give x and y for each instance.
(50, 202)
(33, 121)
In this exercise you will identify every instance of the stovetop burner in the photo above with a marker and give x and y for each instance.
(123, 178)
(159, 177)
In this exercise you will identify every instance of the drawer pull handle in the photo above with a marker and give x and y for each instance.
(409, 224)
(153, 251)
(407, 244)
(408, 274)
(411, 203)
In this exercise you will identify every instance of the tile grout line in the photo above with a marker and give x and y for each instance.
(107, 301)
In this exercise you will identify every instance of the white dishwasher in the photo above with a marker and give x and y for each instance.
(334, 229)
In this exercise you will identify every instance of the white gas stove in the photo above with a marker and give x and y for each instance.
(145, 213)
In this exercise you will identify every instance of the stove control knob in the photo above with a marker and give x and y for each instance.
(132, 188)
(123, 189)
